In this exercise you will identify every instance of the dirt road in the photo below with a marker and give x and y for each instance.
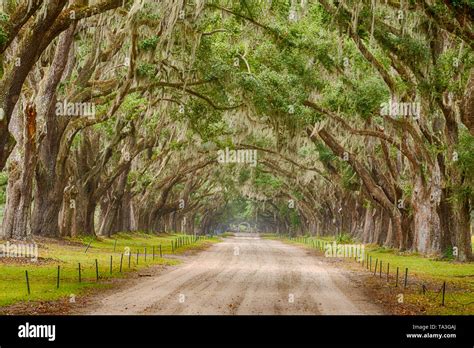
(242, 275)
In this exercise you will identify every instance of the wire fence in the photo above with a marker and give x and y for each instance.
(399, 277)
(99, 266)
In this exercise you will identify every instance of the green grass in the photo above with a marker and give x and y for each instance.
(419, 265)
(459, 277)
(68, 254)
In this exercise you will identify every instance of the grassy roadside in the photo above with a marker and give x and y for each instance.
(424, 273)
(69, 253)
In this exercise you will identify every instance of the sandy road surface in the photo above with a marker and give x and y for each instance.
(242, 275)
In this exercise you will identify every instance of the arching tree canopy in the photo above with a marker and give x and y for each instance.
(309, 116)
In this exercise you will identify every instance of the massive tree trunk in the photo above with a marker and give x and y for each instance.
(462, 224)
(77, 215)
(125, 213)
(427, 224)
(112, 210)
(48, 202)
(49, 183)
(16, 223)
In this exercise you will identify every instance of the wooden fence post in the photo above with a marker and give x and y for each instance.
(27, 282)
(57, 282)
(87, 248)
(444, 292)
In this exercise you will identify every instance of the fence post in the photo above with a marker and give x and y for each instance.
(79, 270)
(161, 254)
(88, 247)
(396, 282)
(111, 264)
(27, 283)
(388, 270)
(121, 260)
(406, 277)
(57, 283)
(376, 263)
(444, 292)
(97, 270)
(380, 275)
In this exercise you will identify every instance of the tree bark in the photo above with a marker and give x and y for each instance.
(16, 223)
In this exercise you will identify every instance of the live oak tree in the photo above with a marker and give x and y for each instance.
(361, 114)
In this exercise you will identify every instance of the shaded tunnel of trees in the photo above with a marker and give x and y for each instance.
(360, 115)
